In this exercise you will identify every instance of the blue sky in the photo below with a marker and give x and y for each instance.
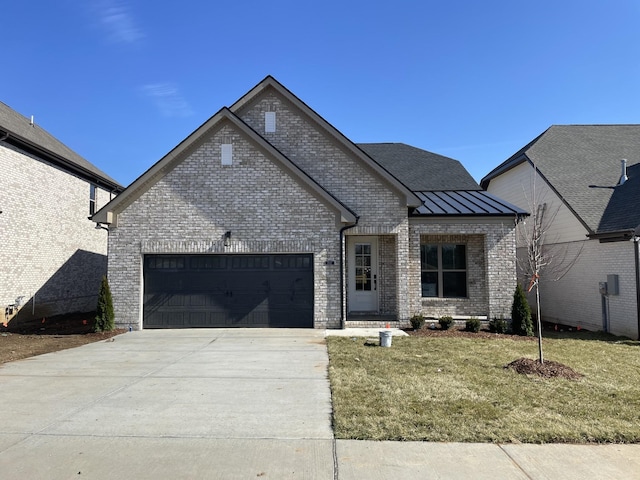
(123, 82)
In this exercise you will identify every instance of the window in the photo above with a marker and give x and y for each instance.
(208, 262)
(363, 266)
(292, 262)
(92, 199)
(444, 270)
(163, 262)
(251, 262)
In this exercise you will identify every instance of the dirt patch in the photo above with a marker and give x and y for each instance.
(46, 335)
(548, 369)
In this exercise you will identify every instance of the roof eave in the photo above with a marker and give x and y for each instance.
(502, 168)
(24, 144)
(616, 236)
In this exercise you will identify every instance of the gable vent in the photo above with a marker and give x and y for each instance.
(269, 122)
(226, 151)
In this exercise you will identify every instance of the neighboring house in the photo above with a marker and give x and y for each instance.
(51, 255)
(267, 215)
(576, 170)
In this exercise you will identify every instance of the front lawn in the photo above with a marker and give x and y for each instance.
(456, 390)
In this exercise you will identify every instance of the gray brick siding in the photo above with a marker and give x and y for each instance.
(50, 249)
(388, 275)
(326, 161)
(190, 209)
(491, 268)
(381, 210)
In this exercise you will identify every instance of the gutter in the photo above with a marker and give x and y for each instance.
(617, 236)
(69, 165)
(343, 313)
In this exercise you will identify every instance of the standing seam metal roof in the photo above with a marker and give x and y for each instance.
(464, 203)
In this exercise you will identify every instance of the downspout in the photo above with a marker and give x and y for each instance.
(636, 244)
(4, 137)
(343, 313)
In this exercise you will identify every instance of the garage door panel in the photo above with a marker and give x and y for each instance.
(228, 291)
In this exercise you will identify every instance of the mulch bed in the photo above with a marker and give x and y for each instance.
(548, 369)
(460, 332)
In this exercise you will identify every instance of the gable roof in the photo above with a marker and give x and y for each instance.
(33, 139)
(581, 163)
(270, 82)
(109, 212)
(419, 169)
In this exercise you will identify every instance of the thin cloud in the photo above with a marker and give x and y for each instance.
(118, 21)
(168, 99)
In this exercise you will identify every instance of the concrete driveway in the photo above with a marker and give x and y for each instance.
(171, 404)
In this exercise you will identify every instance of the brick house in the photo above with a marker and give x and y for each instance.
(577, 175)
(51, 256)
(266, 215)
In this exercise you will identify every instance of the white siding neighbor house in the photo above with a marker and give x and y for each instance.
(588, 176)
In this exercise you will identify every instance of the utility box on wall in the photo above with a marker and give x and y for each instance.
(602, 286)
(612, 285)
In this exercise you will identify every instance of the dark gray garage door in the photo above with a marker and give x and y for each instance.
(187, 291)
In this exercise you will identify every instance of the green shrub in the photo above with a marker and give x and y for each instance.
(521, 314)
(446, 322)
(417, 321)
(104, 314)
(498, 325)
(472, 325)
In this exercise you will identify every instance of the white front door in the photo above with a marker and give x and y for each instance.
(362, 255)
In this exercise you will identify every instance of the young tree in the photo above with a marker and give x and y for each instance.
(105, 318)
(543, 259)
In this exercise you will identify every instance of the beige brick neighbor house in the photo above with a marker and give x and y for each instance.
(268, 216)
(51, 255)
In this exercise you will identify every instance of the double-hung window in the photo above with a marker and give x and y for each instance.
(92, 199)
(444, 270)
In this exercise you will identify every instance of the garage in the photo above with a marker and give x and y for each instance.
(225, 291)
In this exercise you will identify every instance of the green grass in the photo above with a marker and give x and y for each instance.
(456, 390)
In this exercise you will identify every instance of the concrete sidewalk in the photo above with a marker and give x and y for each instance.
(230, 404)
(422, 460)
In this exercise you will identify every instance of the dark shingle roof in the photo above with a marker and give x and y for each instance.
(575, 158)
(32, 137)
(469, 202)
(419, 169)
